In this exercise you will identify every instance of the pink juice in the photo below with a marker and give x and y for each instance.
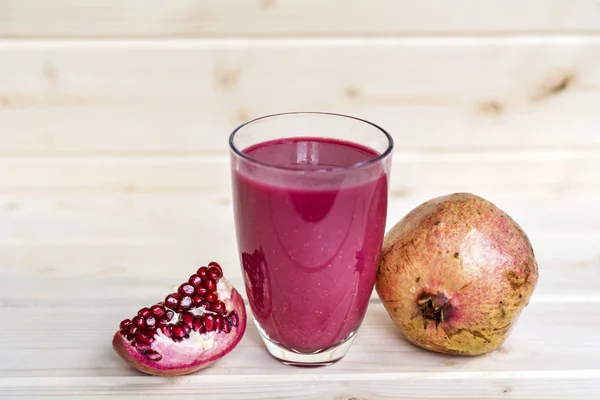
(309, 238)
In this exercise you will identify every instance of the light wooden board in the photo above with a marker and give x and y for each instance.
(556, 172)
(553, 350)
(177, 18)
(185, 97)
(116, 240)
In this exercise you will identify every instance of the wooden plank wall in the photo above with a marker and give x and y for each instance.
(114, 115)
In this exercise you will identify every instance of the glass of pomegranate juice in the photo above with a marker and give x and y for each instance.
(310, 203)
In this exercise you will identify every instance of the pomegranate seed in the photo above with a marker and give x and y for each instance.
(202, 272)
(140, 347)
(177, 331)
(197, 300)
(210, 284)
(210, 297)
(158, 311)
(124, 324)
(140, 337)
(131, 329)
(139, 322)
(165, 331)
(144, 312)
(187, 318)
(205, 304)
(186, 328)
(197, 323)
(209, 322)
(233, 317)
(176, 339)
(218, 307)
(150, 321)
(153, 356)
(186, 302)
(172, 300)
(147, 331)
(214, 273)
(169, 316)
(186, 288)
(219, 322)
(195, 280)
(215, 265)
(202, 330)
(227, 325)
(201, 291)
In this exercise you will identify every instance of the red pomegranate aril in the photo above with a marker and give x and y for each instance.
(205, 304)
(140, 337)
(131, 329)
(209, 322)
(202, 271)
(147, 331)
(233, 317)
(197, 300)
(169, 315)
(186, 289)
(217, 266)
(187, 318)
(211, 297)
(150, 321)
(140, 347)
(139, 322)
(165, 330)
(177, 339)
(210, 284)
(185, 302)
(201, 291)
(219, 322)
(153, 355)
(172, 301)
(197, 323)
(218, 307)
(186, 328)
(214, 273)
(177, 331)
(124, 324)
(144, 312)
(226, 327)
(195, 280)
(158, 311)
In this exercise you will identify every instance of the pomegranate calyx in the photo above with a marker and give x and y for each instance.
(434, 307)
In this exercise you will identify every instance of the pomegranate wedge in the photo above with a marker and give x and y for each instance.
(190, 330)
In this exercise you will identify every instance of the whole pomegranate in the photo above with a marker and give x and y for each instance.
(194, 327)
(455, 274)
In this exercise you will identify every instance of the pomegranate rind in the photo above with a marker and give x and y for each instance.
(465, 247)
(183, 358)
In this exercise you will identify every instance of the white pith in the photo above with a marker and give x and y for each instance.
(205, 341)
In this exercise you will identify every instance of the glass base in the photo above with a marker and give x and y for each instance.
(319, 358)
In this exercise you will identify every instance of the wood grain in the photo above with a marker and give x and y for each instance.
(380, 364)
(547, 172)
(210, 18)
(71, 241)
(185, 97)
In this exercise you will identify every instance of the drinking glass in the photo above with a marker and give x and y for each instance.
(310, 202)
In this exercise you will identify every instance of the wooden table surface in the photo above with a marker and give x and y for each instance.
(59, 306)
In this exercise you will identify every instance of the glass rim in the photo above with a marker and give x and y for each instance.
(362, 164)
